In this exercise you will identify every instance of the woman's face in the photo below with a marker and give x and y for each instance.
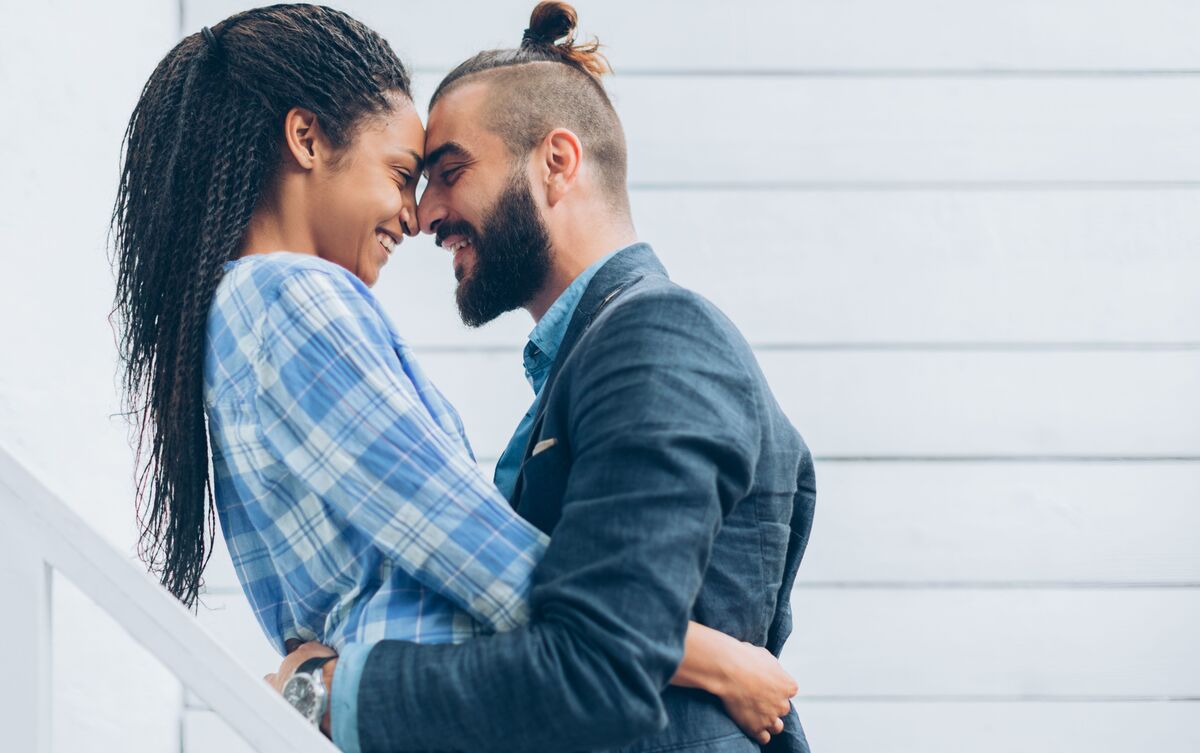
(362, 208)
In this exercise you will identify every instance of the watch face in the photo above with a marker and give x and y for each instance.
(301, 692)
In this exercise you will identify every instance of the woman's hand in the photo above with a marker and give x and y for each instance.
(297, 654)
(757, 693)
(748, 679)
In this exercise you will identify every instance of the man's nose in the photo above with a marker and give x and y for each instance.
(430, 211)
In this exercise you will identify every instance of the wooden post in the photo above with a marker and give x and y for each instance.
(24, 640)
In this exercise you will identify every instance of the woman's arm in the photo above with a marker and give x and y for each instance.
(337, 410)
(747, 678)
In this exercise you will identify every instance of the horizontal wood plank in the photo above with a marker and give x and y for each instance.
(962, 404)
(847, 727)
(1040, 267)
(762, 131)
(785, 35)
(992, 644)
(1006, 524)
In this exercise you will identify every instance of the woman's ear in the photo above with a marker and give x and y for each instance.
(302, 136)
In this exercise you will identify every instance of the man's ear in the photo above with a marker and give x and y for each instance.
(563, 155)
(303, 139)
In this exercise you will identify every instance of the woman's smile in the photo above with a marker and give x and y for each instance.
(387, 243)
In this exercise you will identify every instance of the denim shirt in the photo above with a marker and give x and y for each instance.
(539, 356)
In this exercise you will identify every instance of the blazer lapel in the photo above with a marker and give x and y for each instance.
(621, 271)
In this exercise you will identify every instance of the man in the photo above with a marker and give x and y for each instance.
(655, 456)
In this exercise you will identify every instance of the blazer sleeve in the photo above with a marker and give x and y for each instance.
(664, 441)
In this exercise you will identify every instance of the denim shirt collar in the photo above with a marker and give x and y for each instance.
(547, 336)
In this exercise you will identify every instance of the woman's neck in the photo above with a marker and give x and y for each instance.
(271, 230)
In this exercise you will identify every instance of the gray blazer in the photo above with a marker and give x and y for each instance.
(673, 487)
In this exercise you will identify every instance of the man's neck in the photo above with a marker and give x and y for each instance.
(570, 261)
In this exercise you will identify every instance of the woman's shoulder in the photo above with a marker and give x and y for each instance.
(301, 293)
(283, 284)
(264, 290)
(268, 275)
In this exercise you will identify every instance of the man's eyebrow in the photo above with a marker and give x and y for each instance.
(450, 148)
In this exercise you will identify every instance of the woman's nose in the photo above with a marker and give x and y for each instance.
(430, 212)
(408, 220)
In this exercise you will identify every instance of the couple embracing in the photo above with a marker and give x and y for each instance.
(623, 581)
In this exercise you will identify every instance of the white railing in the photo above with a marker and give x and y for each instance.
(40, 534)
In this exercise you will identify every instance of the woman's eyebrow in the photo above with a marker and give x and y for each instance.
(419, 160)
(394, 157)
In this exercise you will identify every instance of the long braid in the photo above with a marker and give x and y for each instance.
(200, 151)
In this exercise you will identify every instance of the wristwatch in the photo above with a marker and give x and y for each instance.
(305, 689)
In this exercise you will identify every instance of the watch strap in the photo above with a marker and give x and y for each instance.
(308, 666)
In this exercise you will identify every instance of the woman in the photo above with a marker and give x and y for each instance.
(270, 170)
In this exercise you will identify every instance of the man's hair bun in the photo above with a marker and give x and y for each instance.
(552, 21)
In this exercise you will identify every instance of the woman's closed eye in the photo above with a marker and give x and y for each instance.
(404, 178)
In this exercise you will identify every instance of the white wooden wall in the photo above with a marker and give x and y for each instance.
(965, 239)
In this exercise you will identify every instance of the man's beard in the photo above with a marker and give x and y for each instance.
(512, 256)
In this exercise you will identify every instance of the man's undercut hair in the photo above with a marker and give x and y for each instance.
(546, 84)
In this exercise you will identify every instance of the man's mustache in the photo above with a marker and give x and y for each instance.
(458, 227)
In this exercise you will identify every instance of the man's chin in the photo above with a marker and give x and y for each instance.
(466, 312)
(474, 317)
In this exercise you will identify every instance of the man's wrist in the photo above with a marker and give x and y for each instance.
(327, 678)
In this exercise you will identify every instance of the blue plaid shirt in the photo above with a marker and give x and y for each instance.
(346, 490)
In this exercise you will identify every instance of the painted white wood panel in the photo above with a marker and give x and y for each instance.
(995, 643)
(205, 732)
(706, 35)
(228, 617)
(755, 130)
(932, 403)
(887, 266)
(940, 642)
(1005, 523)
(1001, 727)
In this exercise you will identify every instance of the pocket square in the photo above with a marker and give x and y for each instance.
(543, 445)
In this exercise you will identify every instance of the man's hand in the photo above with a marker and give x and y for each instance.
(298, 656)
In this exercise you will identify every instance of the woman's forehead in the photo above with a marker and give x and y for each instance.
(395, 133)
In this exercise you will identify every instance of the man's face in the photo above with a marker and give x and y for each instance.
(479, 205)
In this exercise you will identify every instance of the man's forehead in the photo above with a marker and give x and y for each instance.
(457, 121)
(457, 109)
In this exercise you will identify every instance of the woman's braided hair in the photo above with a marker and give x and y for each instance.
(201, 149)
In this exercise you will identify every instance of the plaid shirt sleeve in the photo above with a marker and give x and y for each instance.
(337, 408)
